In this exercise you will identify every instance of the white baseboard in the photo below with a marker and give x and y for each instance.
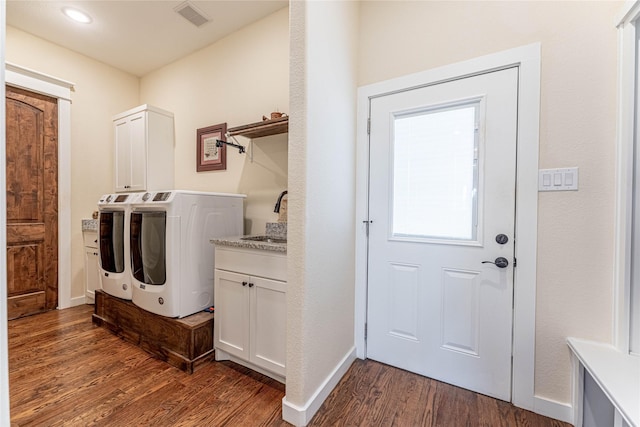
(301, 415)
(552, 409)
(77, 301)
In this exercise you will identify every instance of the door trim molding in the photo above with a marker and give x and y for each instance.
(627, 61)
(34, 81)
(5, 417)
(527, 59)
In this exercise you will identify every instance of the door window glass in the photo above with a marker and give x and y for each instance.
(112, 241)
(435, 173)
(148, 249)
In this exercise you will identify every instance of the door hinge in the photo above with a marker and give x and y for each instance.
(367, 223)
(515, 262)
(369, 126)
(365, 331)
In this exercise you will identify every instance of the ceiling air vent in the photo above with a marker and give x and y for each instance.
(191, 14)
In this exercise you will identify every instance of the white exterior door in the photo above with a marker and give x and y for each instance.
(441, 204)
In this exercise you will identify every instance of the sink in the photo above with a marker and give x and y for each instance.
(265, 239)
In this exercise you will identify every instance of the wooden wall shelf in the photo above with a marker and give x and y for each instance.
(260, 129)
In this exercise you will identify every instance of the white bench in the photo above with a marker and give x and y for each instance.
(606, 385)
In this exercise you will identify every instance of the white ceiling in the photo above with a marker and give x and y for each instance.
(136, 36)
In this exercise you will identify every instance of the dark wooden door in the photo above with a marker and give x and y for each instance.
(32, 202)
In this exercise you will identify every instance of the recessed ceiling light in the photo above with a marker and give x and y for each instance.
(77, 15)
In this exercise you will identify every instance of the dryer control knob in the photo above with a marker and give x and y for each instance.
(146, 196)
(108, 198)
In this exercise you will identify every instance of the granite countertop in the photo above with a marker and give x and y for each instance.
(237, 242)
(90, 225)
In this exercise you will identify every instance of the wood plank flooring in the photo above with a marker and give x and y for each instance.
(64, 371)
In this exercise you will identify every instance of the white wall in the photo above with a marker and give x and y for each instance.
(577, 128)
(100, 92)
(320, 295)
(236, 80)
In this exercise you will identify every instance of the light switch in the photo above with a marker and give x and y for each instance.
(564, 179)
(568, 179)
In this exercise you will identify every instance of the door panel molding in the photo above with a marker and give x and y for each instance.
(527, 59)
(403, 300)
(460, 296)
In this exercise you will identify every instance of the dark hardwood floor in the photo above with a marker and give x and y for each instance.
(64, 371)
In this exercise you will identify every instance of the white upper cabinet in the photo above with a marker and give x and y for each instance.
(144, 139)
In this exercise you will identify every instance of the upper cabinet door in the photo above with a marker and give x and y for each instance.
(129, 154)
(138, 148)
(122, 160)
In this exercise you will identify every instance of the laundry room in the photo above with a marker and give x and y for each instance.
(185, 198)
(235, 81)
(269, 113)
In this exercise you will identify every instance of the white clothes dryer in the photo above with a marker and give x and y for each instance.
(172, 257)
(114, 212)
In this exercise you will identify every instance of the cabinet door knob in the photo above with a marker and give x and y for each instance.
(251, 285)
(244, 283)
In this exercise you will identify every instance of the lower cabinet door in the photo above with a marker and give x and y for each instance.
(91, 273)
(268, 324)
(231, 324)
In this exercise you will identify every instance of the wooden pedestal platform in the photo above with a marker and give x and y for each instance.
(184, 343)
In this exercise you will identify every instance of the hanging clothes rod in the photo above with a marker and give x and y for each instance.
(240, 148)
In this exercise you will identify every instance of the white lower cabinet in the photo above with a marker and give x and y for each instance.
(250, 317)
(91, 271)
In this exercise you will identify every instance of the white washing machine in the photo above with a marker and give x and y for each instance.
(172, 258)
(113, 244)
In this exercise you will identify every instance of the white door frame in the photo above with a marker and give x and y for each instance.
(527, 58)
(51, 86)
(34, 81)
(5, 418)
(627, 63)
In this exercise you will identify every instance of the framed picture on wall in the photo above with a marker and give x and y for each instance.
(210, 157)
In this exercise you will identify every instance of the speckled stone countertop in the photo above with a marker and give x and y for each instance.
(276, 229)
(237, 242)
(90, 225)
